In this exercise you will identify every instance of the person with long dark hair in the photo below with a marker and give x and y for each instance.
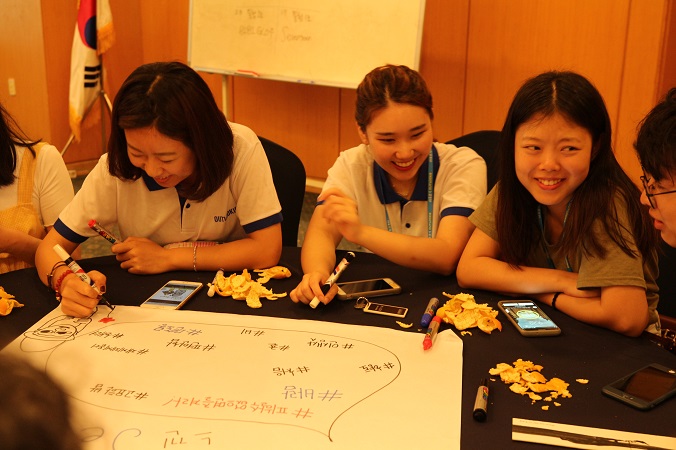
(564, 225)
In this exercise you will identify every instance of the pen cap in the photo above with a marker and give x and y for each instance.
(61, 252)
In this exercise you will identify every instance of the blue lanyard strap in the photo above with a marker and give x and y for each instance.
(430, 197)
(541, 223)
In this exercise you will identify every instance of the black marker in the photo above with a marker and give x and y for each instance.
(481, 402)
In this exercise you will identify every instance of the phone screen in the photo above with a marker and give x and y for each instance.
(528, 316)
(364, 286)
(648, 384)
(171, 294)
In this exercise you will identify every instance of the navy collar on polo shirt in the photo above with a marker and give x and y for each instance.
(152, 185)
(386, 193)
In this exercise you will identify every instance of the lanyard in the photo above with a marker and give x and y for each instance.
(430, 198)
(541, 223)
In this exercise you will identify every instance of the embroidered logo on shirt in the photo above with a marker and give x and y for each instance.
(224, 218)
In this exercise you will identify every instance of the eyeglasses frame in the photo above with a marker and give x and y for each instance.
(645, 179)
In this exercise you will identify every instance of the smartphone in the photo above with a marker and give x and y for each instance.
(385, 310)
(375, 287)
(172, 295)
(644, 388)
(528, 318)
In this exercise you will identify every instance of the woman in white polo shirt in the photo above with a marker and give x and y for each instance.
(399, 194)
(176, 172)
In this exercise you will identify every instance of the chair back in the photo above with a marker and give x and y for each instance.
(485, 143)
(288, 175)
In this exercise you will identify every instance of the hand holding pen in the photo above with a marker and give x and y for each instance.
(75, 267)
(333, 278)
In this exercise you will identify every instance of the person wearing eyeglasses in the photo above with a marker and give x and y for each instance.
(656, 148)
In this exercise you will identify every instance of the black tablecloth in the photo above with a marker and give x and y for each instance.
(581, 351)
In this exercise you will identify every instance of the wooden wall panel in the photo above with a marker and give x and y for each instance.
(640, 78)
(164, 28)
(58, 42)
(300, 117)
(510, 41)
(443, 63)
(348, 136)
(667, 61)
(22, 59)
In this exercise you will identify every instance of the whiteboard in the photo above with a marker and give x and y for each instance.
(324, 42)
(142, 378)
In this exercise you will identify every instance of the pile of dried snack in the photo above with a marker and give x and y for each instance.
(463, 312)
(242, 287)
(7, 302)
(525, 378)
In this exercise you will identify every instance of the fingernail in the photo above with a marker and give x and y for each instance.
(103, 289)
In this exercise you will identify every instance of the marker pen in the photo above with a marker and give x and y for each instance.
(481, 402)
(431, 333)
(431, 309)
(75, 267)
(333, 278)
(107, 235)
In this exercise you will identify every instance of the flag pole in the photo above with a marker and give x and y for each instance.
(105, 104)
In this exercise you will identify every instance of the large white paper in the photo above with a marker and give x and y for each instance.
(148, 379)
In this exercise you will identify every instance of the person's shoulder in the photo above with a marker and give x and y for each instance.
(243, 132)
(244, 139)
(49, 153)
(101, 168)
(356, 155)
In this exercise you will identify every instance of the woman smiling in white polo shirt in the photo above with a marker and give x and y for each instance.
(176, 172)
(399, 194)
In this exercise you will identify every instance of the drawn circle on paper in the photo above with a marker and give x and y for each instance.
(223, 372)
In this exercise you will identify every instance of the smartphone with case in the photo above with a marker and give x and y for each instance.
(528, 318)
(375, 287)
(172, 295)
(644, 388)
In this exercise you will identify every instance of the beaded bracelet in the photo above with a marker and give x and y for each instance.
(194, 258)
(57, 285)
(556, 296)
(50, 275)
